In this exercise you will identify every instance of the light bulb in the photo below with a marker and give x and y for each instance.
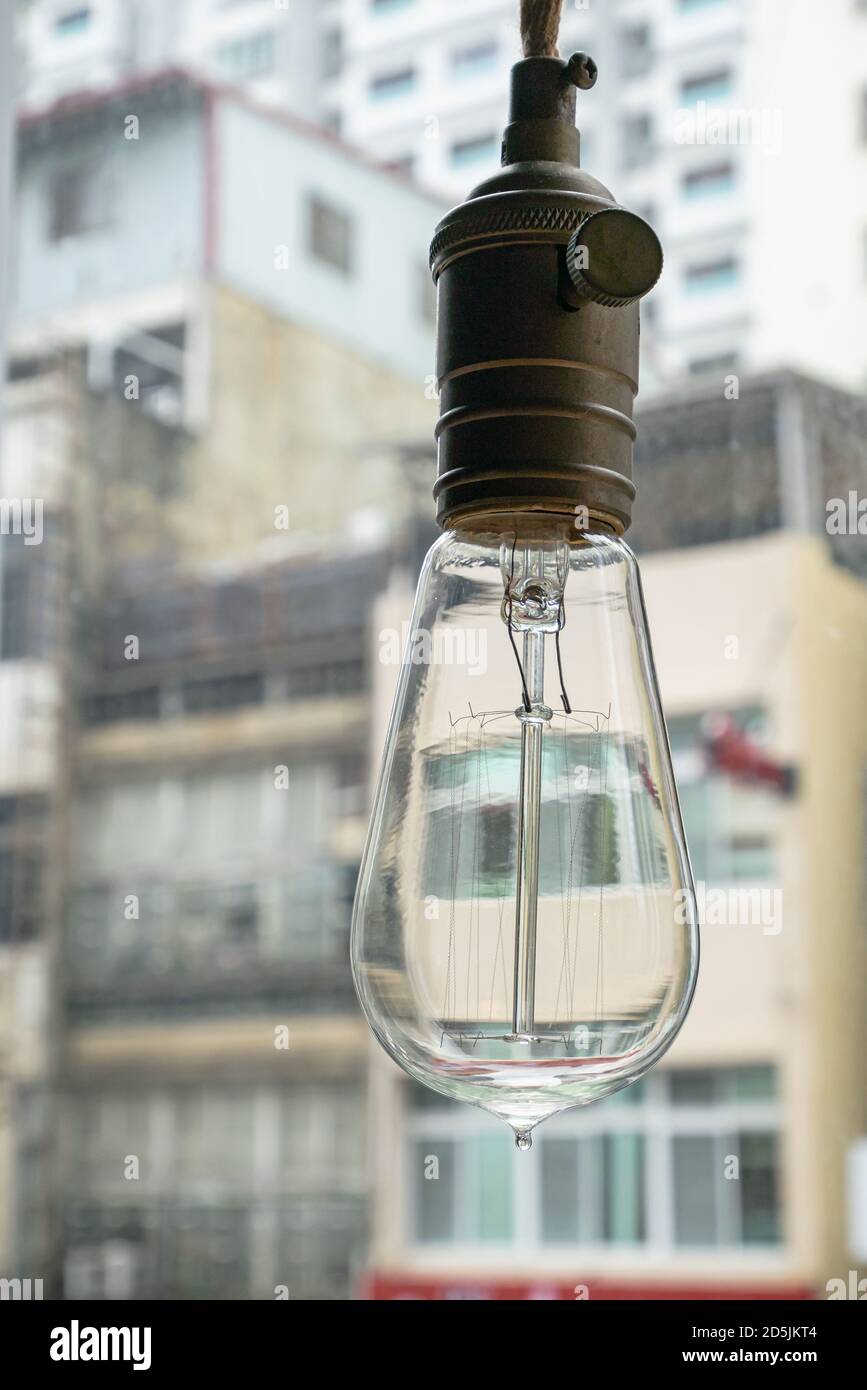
(525, 932)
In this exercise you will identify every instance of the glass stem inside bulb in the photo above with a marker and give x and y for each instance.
(529, 817)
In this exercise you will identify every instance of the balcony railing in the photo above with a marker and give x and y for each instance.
(212, 943)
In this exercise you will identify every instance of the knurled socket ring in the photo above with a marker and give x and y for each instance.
(555, 219)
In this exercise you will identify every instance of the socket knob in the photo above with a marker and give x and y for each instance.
(613, 258)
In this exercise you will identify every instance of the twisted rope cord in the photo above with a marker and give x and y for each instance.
(540, 27)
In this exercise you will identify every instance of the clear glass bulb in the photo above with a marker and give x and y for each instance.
(525, 932)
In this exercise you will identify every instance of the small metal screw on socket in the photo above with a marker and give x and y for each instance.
(582, 71)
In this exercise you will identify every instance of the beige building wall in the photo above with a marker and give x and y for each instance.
(296, 421)
(832, 660)
(767, 623)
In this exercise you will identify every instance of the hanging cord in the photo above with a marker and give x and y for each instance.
(540, 27)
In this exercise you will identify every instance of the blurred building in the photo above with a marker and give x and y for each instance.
(222, 327)
(722, 1173)
(34, 612)
(211, 1028)
(704, 117)
(273, 48)
(162, 222)
(181, 819)
(202, 419)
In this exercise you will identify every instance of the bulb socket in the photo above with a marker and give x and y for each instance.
(537, 379)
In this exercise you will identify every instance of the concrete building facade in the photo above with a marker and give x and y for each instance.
(704, 118)
(204, 426)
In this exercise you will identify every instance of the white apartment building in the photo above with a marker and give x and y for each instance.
(265, 46)
(707, 117)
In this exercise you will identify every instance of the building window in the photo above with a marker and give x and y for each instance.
(112, 708)
(330, 235)
(78, 201)
(474, 59)
(31, 596)
(22, 876)
(321, 1137)
(73, 21)
(248, 58)
(710, 276)
(474, 150)
(203, 931)
(471, 831)
(304, 1215)
(729, 825)
(635, 49)
(637, 140)
(217, 923)
(714, 366)
(332, 52)
(349, 797)
(707, 1212)
(233, 903)
(593, 1183)
(222, 692)
(390, 85)
(593, 1189)
(708, 181)
(31, 1124)
(470, 1199)
(708, 86)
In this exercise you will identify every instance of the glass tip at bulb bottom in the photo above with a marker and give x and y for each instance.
(523, 1140)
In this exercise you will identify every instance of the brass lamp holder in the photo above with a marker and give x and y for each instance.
(538, 275)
